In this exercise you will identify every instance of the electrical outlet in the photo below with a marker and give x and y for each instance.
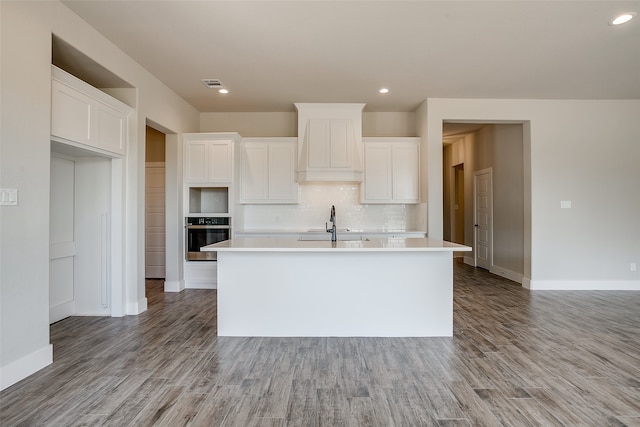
(634, 267)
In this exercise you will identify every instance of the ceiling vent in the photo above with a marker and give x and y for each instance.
(212, 83)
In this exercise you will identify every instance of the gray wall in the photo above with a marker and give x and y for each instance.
(286, 123)
(25, 130)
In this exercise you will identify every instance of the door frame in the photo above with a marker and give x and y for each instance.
(114, 258)
(475, 216)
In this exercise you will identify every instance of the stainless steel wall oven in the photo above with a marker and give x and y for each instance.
(203, 231)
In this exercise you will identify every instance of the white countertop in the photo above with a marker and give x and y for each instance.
(267, 244)
(292, 232)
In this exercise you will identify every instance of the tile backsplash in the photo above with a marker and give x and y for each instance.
(314, 207)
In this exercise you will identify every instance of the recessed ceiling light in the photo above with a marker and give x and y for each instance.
(384, 90)
(223, 91)
(621, 19)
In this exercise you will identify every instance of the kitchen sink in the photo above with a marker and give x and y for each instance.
(322, 230)
(343, 238)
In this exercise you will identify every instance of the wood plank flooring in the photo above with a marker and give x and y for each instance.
(517, 358)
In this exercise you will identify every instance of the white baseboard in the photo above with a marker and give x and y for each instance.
(200, 284)
(25, 366)
(583, 285)
(174, 286)
(61, 311)
(200, 275)
(507, 274)
(138, 307)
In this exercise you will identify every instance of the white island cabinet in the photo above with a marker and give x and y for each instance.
(373, 287)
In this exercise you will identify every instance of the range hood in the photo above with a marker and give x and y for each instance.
(329, 142)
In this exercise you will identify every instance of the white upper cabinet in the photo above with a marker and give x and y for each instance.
(267, 171)
(378, 175)
(208, 157)
(254, 172)
(329, 142)
(82, 115)
(391, 170)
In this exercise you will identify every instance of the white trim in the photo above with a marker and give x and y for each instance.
(62, 250)
(201, 284)
(25, 366)
(62, 310)
(507, 274)
(174, 286)
(138, 307)
(117, 253)
(583, 285)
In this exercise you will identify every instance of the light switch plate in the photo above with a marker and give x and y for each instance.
(565, 204)
(8, 196)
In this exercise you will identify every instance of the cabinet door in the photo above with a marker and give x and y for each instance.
(405, 172)
(220, 160)
(282, 179)
(111, 125)
(197, 161)
(254, 172)
(70, 113)
(339, 148)
(209, 161)
(319, 143)
(377, 172)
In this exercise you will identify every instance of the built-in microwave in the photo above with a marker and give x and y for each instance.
(203, 231)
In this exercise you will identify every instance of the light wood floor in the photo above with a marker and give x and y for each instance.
(517, 358)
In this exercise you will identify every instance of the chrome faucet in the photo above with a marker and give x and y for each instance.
(332, 219)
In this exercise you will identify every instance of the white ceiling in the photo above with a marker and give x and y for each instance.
(270, 54)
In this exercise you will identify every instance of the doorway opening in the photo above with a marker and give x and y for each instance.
(83, 230)
(493, 223)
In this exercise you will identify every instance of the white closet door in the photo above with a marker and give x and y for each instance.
(61, 239)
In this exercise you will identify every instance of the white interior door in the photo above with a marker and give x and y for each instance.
(155, 221)
(62, 248)
(483, 217)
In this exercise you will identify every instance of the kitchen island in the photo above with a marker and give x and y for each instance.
(373, 287)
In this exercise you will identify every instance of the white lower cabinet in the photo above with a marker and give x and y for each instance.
(391, 170)
(267, 171)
